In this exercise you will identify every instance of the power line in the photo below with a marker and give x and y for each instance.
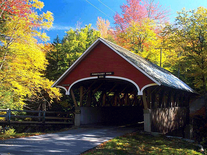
(98, 9)
(107, 6)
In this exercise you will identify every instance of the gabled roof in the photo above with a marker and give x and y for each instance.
(157, 74)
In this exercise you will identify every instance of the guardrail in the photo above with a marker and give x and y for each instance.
(8, 116)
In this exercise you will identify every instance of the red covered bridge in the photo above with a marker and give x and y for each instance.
(114, 85)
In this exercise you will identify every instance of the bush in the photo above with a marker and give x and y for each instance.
(10, 132)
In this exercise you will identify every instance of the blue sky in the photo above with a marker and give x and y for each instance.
(67, 13)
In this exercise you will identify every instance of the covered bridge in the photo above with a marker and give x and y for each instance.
(114, 85)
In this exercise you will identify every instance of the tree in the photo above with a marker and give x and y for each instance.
(141, 39)
(22, 59)
(18, 8)
(136, 10)
(103, 27)
(188, 36)
(139, 26)
(65, 53)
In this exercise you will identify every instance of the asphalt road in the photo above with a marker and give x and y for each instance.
(71, 142)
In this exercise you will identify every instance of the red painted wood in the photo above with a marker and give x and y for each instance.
(104, 59)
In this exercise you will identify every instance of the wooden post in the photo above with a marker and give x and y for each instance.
(153, 100)
(135, 102)
(175, 99)
(149, 98)
(164, 104)
(188, 110)
(81, 96)
(169, 99)
(182, 99)
(43, 117)
(8, 115)
(144, 100)
(161, 98)
(172, 100)
(73, 96)
(125, 99)
(104, 99)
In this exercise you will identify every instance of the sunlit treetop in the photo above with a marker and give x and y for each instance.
(136, 10)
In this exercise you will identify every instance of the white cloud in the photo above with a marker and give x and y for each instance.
(60, 27)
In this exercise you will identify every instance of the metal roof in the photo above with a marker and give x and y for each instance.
(159, 74)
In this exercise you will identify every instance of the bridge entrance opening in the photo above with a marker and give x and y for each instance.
(107, 101)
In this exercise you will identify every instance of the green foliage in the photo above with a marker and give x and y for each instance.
(64, 53)
(187, 37)
(10, 132)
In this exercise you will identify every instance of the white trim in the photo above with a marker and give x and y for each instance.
(108, 77)
(64, 89)
(88, 78)
(148, 85)
(125, 79)
(76, 62)
(130, 62)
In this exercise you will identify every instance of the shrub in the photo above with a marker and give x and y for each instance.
(10, 132)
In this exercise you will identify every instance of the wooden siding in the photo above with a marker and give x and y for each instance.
(165, 120)
(104, 59)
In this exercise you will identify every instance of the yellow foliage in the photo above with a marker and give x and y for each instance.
(142, 39)
(37, 4)
(23, 59)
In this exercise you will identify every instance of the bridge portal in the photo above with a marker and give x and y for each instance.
(111, 84)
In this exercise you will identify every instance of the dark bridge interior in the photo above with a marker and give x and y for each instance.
(108, 101)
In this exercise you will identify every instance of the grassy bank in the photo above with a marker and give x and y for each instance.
(18, 135)
(11, 133)
(141, 143)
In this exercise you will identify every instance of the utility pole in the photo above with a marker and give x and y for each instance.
(160, 55)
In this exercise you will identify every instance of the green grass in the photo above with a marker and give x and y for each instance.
(141, 143)
(18, 135)
(12, 134)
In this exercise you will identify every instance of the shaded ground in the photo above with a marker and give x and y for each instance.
(142, 143)
(71, 142)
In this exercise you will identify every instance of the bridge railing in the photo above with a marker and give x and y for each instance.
(8, 116)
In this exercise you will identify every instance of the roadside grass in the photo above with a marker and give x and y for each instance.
(18, 135)
(142, 143)
(9, 134)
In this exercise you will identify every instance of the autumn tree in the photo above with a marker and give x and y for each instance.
(104, 28)
(22, 59)
(188, 38)
(138, 27)
(136, 10)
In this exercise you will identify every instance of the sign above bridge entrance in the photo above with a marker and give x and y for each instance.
(102, 74)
